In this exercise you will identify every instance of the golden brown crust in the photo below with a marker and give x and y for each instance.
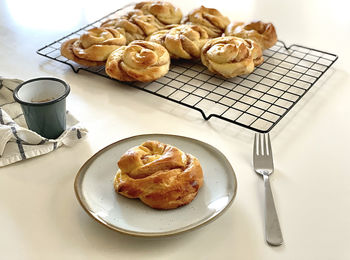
(160, 175)
(262, 33)
(97, 43)
(231, 56)
(67, 51)
(165, 12)
(93, 47)
(139, 61)
(135, 25)
(123, 23)
(209, 18)
(182, 41)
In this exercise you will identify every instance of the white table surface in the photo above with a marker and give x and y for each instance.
(40, 217)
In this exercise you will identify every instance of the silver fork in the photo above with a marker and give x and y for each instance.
(263, 165)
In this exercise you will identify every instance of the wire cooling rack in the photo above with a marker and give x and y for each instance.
(257, 101)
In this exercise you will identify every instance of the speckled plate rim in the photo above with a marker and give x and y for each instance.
(80, 197)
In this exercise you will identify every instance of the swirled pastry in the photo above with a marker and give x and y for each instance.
(67, 51)
(210, 19)
(160, 175)
(135, 25)
(93, 47)
(231, 56)
(165, 12)
(130, 30)
(262, 33)
(139, 61)
(182, 41)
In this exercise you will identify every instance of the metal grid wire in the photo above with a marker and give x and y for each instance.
(257, 101)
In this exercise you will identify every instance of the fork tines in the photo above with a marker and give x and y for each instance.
(262, 144)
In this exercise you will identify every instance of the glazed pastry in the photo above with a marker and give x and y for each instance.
(231, 56)
(182, 41)
(129, 29)
(210, 19)
(112, 22)
(67, 51)
(135, 25)
(93, 47)
(160, 175)
(139, 61)
(255, 51)
(262, 33)
(165, 12)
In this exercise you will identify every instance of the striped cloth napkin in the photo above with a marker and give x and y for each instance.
(17, 142)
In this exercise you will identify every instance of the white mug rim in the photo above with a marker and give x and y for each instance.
(63, 96)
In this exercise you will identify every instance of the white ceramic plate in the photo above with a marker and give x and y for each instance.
(95, 192)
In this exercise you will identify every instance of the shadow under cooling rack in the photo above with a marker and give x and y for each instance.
(257, 101)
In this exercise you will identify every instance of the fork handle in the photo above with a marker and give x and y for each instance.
(272, 225)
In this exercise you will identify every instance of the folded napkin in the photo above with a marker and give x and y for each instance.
(17, 142)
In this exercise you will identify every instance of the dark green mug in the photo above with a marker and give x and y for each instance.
(43, 102)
